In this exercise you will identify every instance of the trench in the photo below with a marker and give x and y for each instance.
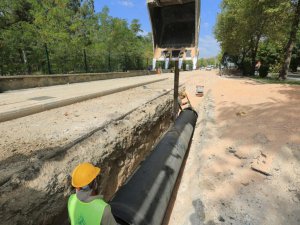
(118, 148)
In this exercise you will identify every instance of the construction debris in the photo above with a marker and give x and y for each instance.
(261, 171)
(199, 90)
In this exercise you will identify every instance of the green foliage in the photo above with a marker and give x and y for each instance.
(263, 71)
(246, 67)
(251, 31)
(295, 61)
(68, 28)
(207, 61)
(275, 80)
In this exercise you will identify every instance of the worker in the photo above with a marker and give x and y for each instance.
(86, 207)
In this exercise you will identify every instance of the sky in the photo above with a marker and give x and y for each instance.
(137, 9)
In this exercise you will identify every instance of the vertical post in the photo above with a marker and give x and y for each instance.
(85, 62)
(125, 60)
(109, 63)
(176, 85)
(147, 63)
(48, 60)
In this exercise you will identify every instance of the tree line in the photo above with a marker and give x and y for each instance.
(266, 31)
(203, 62)
(68, 36)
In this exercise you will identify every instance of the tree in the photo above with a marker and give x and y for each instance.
(243, 26)
(68, 36)
(291, 41)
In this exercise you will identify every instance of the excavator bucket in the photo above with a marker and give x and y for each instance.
(175, 28)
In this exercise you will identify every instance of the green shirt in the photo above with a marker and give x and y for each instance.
(85, 213)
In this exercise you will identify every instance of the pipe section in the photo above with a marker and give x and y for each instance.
(144, 198)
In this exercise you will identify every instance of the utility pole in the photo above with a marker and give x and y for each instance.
(176, 87)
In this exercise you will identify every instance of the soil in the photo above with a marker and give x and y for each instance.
(244, 162)
(38, 152)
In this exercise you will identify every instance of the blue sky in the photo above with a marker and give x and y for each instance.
(137, 9)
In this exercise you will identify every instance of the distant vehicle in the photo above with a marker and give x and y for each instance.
(202, 68)
(208, 68)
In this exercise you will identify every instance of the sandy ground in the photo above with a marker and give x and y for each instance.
(243, 126)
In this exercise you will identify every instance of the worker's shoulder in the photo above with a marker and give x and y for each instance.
(108, 218)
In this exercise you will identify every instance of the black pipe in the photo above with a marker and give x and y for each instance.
(144, 198)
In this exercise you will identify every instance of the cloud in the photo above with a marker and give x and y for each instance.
(126, 3)
(208, 46)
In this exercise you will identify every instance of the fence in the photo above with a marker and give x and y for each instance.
(53, 60)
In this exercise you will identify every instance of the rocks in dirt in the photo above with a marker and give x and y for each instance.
(231, 150)
(245, 183)
(241, 114)
(239, 156)
(262, 154)
(262, 164)
(292, 189)
(221, 219)
(295, 199)
(261, 138)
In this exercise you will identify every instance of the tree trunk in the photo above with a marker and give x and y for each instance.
(25, 60)
(48, 59)
(290, 45)
(85, 62)
(241, 66)
(254, 53)
(109, 62)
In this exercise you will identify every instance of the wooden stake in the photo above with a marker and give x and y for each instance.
(176, 85)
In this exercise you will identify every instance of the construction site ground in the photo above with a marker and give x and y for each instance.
(243, 166)
(244, 162)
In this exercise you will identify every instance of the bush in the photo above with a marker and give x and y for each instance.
(275, 68)
(263, 71)
(246, 67)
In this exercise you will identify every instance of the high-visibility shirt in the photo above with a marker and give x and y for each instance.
(85, 213)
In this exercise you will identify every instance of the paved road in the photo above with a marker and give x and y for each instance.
(16, 104)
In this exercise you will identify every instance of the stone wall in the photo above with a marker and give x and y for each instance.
(22, 82)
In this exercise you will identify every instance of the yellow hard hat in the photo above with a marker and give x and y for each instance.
(84, 174)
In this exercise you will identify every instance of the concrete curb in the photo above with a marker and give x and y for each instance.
(8, 83)
(14, 114)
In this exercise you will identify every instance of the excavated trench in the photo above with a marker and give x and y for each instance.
(38, 194)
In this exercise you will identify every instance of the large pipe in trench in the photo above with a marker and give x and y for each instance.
(144, 198)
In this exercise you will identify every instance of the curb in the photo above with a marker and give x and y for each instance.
(15, 114)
